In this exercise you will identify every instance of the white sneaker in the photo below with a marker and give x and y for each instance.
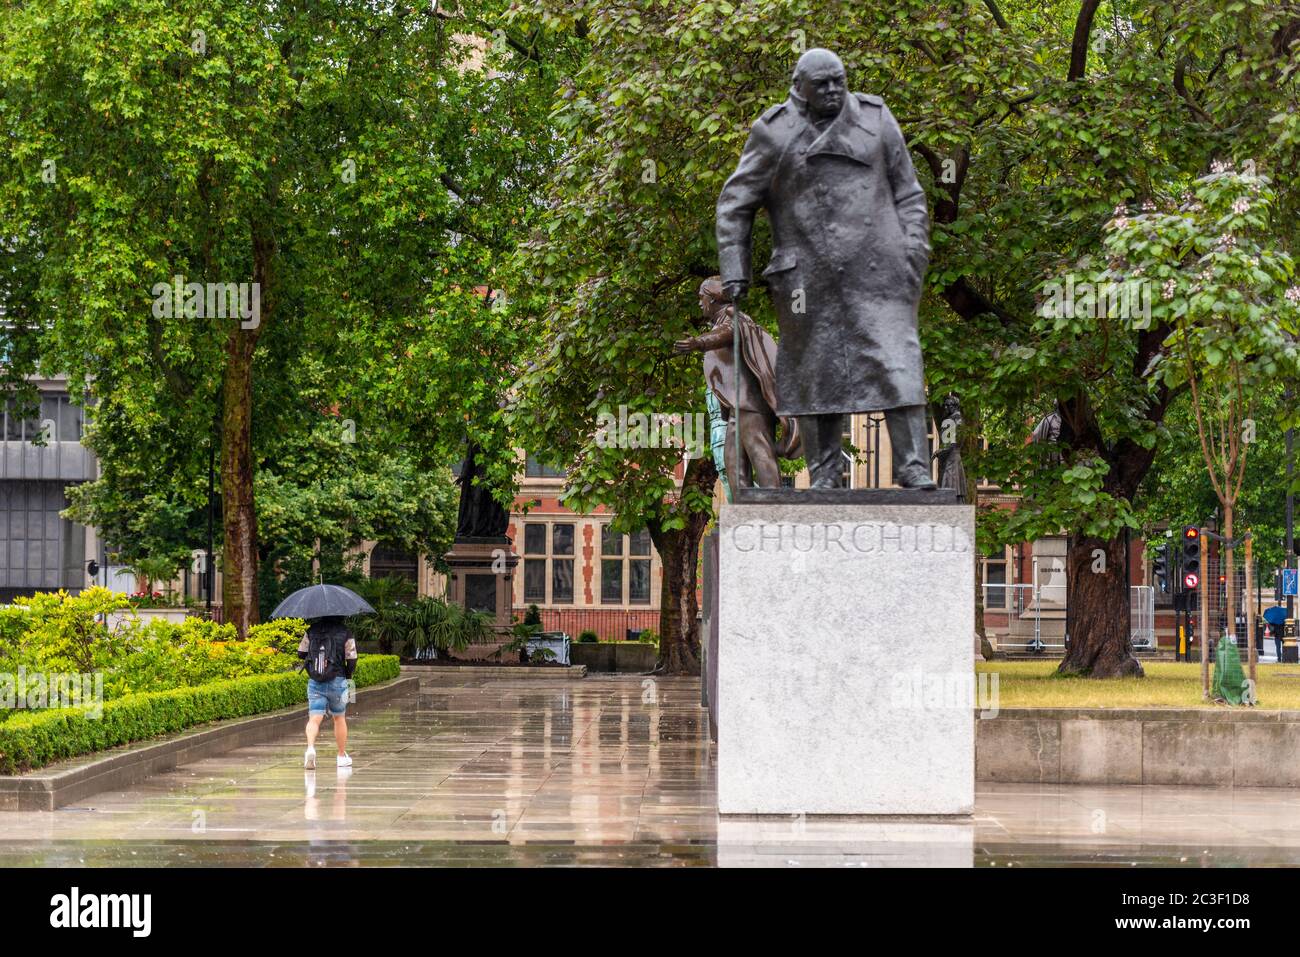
(345, 761)
(309, 759)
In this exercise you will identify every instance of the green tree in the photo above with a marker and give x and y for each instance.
(1177, 491)
(1230, 296)
(1030, 123)
(335, 156)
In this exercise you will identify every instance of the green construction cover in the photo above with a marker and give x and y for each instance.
(1228, 677)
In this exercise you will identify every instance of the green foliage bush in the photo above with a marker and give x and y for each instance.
(424, 624)
(588, 636)
(433, 623)
(33, 739)
(56, 631)
(282, 634)
(59, 633)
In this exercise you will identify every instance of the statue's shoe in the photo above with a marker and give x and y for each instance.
(917, 479)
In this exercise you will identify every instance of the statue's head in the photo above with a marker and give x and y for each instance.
(712, 296)
(819, 80)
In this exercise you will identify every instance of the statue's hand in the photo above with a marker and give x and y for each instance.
(682, 346)
(735, 290)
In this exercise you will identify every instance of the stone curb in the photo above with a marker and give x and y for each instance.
(67, 781)
(490, 671)
(1211, 714)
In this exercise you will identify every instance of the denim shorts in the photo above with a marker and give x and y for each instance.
(332, 694)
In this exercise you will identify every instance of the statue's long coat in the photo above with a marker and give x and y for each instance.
(850, 246)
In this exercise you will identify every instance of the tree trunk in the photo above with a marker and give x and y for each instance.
(1229, 592)
(238, 514)
(1100, 644)
(679, 553)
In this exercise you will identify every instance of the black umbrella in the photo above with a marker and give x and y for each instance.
(322, 601)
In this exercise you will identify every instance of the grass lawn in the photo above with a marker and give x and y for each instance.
(1168, 684)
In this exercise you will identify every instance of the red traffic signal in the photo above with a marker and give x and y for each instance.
(1191, 531)
(1191, 580)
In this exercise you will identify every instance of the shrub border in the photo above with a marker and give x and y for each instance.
(35, 739)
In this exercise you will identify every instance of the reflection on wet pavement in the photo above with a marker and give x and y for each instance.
(605, 770)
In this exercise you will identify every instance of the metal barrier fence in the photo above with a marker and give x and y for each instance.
(1142, 617)
(1214, 582)
(1025, 619)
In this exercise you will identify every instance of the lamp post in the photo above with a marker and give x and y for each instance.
(875, 420)
(1290, 507)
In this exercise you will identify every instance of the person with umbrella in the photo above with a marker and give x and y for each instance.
(1276, 618)
(330, 654)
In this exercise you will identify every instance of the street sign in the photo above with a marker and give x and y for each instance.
(1290, 581)
(1191, 580)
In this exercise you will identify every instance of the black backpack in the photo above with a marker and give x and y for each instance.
(326, 647)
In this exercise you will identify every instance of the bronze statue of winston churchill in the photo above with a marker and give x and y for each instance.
(850, 247)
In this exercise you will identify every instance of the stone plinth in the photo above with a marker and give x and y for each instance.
(845, 675)
(480, 578)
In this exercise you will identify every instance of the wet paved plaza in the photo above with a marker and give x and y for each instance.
(603, 771)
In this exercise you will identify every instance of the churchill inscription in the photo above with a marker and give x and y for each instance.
(863, 537)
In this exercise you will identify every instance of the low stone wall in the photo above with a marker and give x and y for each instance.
(620, 657)
(1195, 746)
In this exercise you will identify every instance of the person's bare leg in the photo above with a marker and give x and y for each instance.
(313, 728)
(341, 733)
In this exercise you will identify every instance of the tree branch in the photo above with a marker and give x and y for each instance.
(180, 386)
(969, 303)
(997, 14)
(1180, 84)
(1082, 36)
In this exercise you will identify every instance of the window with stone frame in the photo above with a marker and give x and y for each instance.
(624, 567)
(996, 592)
(548, 559)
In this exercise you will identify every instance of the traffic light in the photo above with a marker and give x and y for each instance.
(1160, 568)
(1190, 562)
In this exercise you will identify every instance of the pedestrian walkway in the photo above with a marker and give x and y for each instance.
(605, 770)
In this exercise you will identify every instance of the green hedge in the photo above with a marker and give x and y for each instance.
(32, 739)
